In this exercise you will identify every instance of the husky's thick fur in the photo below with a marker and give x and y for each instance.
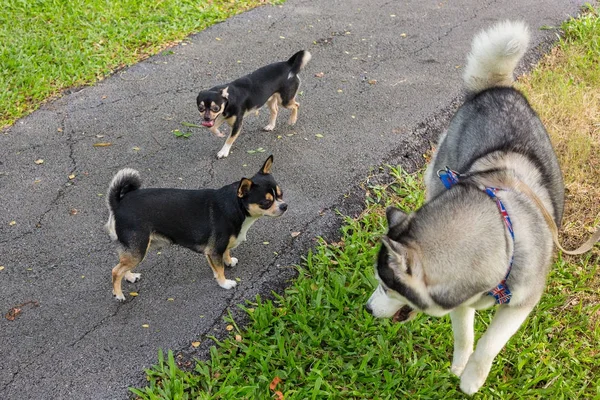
(447, 256)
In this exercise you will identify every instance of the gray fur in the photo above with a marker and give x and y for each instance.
(450, 253)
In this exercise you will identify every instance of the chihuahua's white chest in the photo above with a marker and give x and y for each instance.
(242, 236)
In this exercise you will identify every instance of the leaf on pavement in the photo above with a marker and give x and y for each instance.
(102, 144)
(39, 161)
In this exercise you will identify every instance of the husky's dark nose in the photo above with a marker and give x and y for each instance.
(283, 207)
(369, 309)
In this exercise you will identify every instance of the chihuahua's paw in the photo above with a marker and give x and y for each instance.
(233, 262)
(292, 121)
(228, 284)
(218, 134)
(269, 127)
(131, 277)
(119, 297)
(222, 153)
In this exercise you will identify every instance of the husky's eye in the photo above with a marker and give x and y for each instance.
(215, 108)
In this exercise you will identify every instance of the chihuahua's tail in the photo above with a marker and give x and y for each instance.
(298, 61)
(495, 53)
(125, 181)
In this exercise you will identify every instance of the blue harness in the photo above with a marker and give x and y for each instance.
(501, 292)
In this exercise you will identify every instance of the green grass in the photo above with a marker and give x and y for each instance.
(317, 338)
(47, 45)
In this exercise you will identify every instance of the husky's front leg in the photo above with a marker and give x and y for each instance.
(462, 328)
(505, 323)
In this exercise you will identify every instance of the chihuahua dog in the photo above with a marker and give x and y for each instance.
(275, 84)
(209, 221)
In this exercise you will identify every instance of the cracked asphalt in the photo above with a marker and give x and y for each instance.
(76, 341)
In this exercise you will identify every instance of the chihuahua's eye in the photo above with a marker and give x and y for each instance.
(201, 108)
(265, 203)
(215, 109)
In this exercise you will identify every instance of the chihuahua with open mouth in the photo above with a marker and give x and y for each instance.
(275, 84)
(208, 221)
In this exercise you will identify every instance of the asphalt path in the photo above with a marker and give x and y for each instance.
(390, 80)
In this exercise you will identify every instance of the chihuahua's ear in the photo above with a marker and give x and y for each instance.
(225, 93)
(244, 187)
(266, 168)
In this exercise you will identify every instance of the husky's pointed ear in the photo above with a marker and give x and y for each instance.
(225, 93)
(397, 255)
(266, 168)
(244, 187)
(394, 216)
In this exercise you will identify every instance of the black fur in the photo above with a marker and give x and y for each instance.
(202, 220)
(251, 92)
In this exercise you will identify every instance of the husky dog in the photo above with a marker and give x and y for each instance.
(457, 253)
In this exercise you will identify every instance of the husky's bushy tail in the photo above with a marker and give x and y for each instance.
(495, 52)
(125, 181)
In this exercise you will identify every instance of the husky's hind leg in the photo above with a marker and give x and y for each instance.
(506, 322)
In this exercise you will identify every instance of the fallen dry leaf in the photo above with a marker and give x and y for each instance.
(195, 344)
(145, 326)
(134, 294)
(1, 267)
(72, 176)
(294, 234)
(39, 161)
(372, 81)
(102, 144)
(73, 211)
(229, 327)
(279, 395)
(14, 312)
(238, 338)
(320, 74)
(274, 382)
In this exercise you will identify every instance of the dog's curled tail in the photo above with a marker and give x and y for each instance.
(495, 53)
(298, 61)
(125, 181)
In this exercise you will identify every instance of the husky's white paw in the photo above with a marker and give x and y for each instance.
(228, 284)
(131, 277)
(269, 127)
(119, 297)
(472, 379)
(457, 369)
(233, 262)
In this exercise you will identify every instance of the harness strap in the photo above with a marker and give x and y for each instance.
(501, 293)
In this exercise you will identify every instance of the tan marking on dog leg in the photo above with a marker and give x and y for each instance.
(273, 108)
(127, 262)
(216, 263)
(228, 260)
(224, 152)
(294, 105)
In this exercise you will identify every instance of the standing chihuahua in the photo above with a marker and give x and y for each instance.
(209, 221)
(275, 84)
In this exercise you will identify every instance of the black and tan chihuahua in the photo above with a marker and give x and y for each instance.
(208, 221)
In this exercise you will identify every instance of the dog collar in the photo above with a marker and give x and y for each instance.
(501, 292)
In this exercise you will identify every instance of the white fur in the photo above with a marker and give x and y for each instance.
(494, 55)
(224, 152)
(115, 182)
